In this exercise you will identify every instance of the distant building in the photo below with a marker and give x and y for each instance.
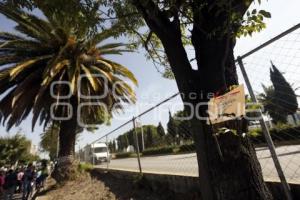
(130, 149)
(33, 149)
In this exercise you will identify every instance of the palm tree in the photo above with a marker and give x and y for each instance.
(44, 51)
(268, 100)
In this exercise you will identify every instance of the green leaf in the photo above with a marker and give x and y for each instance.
(265, 13)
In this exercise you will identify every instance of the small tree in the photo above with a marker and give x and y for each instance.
(268, 100)
(172, 127)
(284, 97)
(149, 137)
(130, 136)
(49, 139)
(122, 142)
(183, 124)
(160, 130)
(15, 148)
(114, 146)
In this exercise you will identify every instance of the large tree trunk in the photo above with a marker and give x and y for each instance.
(232, 164)
(228, 166)
(236, 174)
(66, 166)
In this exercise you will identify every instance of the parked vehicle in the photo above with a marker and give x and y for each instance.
(96, 153)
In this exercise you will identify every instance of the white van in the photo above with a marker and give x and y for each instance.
(97, 153)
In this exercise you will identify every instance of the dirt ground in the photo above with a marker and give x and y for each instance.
(99, 187)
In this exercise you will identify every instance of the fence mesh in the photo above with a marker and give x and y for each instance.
(280, 99)
(167, 148)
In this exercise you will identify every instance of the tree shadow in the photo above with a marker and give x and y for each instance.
(49, 187)
(137, 188)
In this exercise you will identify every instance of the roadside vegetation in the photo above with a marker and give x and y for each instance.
(282, 134)
(16, 150)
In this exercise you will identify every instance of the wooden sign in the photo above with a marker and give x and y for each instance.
(228, 106)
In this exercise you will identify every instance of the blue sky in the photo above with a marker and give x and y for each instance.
(153, 88)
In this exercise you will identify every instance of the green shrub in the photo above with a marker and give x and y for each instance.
(286, 134)
(254, 132)
(158, 150)
(85, 167)
(186, 148)
(282, 126)
(124, 155)
(281, 133)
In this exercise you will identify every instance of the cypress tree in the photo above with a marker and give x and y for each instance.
(160, 130)
(171, 126)
(149, 138)
(114, 146)
(285, 98)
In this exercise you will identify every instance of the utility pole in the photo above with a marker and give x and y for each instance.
(139, 124)
(137, 145)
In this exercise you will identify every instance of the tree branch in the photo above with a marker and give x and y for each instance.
(108, 17)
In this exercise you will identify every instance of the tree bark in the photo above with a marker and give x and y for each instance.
(236, 174)
(233, 165)
(66, 166)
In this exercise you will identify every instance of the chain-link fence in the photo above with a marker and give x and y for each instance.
(165, 148)
(271, 73)
(274, 74)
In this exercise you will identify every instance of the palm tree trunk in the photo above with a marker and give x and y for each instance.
(66, 165)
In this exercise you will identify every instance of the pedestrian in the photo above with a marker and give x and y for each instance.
(10, 183)
(2, 179)
(20, 180)
(42, 175)
(28, 179)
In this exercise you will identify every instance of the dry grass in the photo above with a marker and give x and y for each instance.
(100, 187)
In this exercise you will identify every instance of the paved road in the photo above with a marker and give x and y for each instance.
(186, 164)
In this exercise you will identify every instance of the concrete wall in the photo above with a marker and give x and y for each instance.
(187, 187)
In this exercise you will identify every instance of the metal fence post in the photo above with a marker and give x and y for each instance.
(57, 146)
(137, 145)
(107, 153)
(142, 132)
(79, 154)
(267, 135)
(93, 152)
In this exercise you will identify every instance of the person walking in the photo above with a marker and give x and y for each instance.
(2, 180)
(20, 180)
(43, 174)
(10, 184)
(28, 179)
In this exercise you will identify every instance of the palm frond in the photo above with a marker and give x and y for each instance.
(90, 76)
(21, 66)
(44, 51)
(123, 71)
